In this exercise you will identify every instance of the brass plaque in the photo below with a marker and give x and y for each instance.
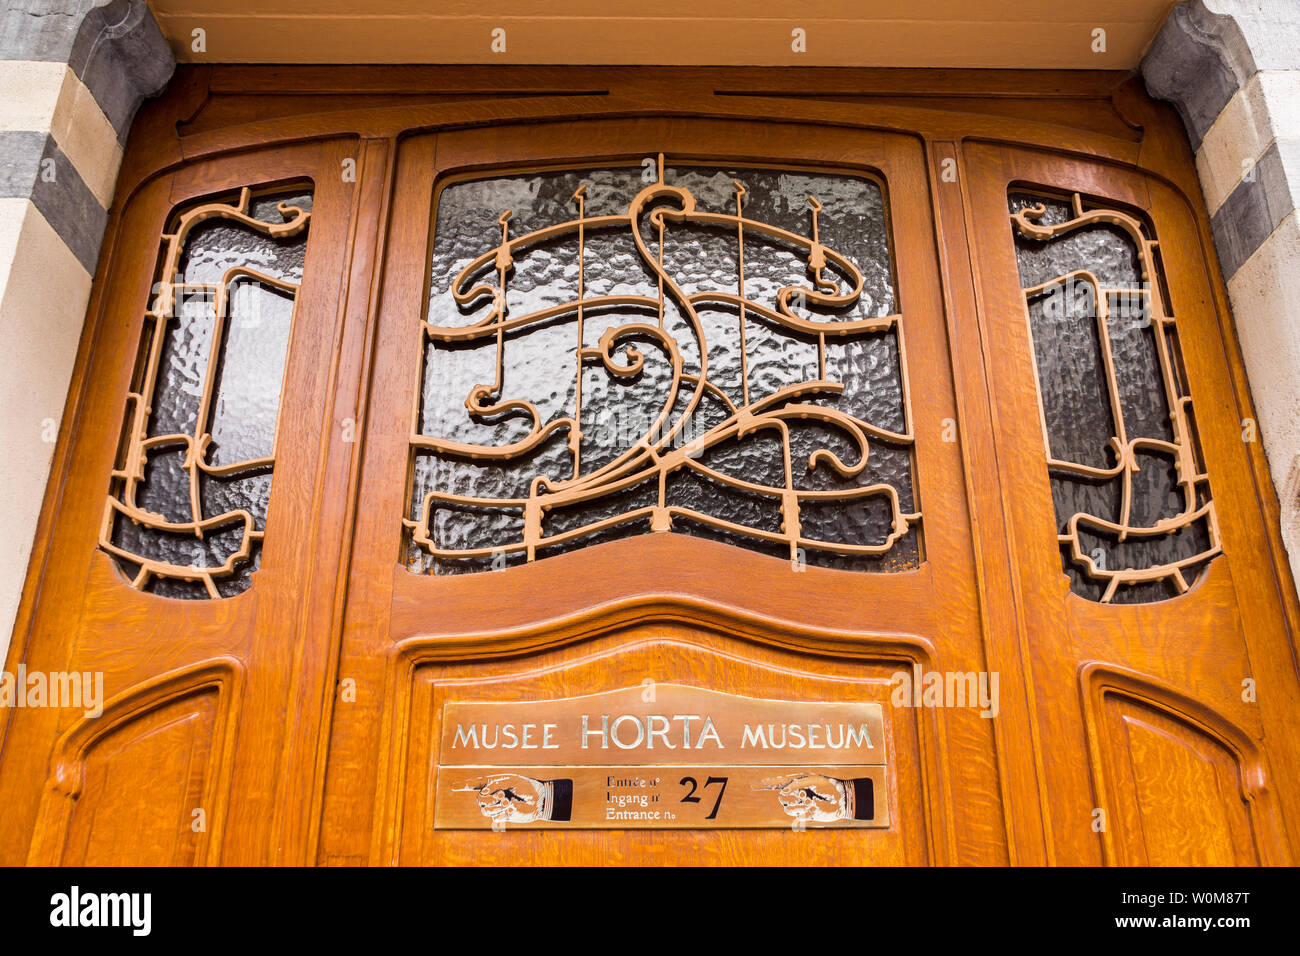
(661, 756)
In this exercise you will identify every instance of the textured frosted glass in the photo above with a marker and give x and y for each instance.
(1079, 412)
(247, 371)
(541, 362)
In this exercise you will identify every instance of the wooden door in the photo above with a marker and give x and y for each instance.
(661, 605)
(1154, 620)
(202, 654)
(380, 424)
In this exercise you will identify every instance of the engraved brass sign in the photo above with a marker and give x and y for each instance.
(661, 756)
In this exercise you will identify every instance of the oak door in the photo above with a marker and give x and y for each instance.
(1157, 652)
(184, 524)
(604, 574)
(403, 408)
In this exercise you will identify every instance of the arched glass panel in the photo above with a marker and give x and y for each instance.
(615, 351)
(1136, 521)
(187, 508)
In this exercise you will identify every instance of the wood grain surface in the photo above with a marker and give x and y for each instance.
(302, 716)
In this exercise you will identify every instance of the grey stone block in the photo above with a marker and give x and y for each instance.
(114, 46)
(1197, 61)
(33, 167)
(41, 29)
(1253, 210)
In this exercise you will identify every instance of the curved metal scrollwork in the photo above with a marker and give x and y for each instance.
(1146, 485)
(666, 446)
(186, 465)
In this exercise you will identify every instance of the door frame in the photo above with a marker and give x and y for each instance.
(241, 115)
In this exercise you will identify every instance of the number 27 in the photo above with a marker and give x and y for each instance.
(692, 798)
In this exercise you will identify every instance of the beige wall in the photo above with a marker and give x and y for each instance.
(44, 290)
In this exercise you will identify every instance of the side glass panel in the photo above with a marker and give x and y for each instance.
(186, 510)
(1135, 518)
(615, 351)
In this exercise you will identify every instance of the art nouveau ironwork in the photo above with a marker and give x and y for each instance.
(185, 514)
(767, 367)
(1137, 522)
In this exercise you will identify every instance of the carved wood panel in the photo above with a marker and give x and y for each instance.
(158, 757)
(695, 654)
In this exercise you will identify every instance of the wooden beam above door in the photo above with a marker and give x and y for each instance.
(980, 34)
